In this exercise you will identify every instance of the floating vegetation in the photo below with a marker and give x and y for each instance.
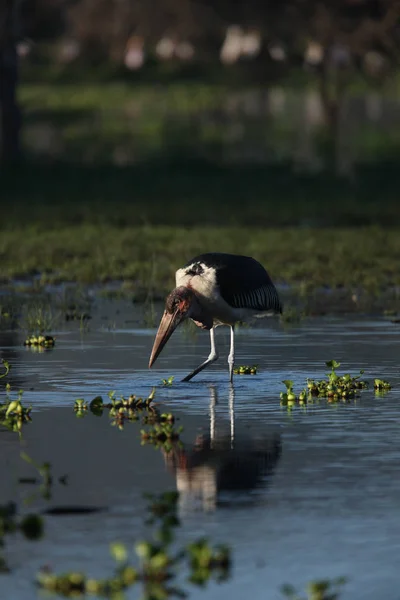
(12, 413)
(317, 590)
(119, 409)
(381, 384)
(161, 432)
(7, 368)
(168, 382)
(336, 388)
(158, 563)
(245, 370)
(44, 341)
(80, 407)
(289, 396)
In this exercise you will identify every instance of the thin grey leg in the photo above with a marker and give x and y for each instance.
(231, 357)
(212, 357)
(232, 413)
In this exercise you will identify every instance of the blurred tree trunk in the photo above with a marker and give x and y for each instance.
(10, 117)
(332, 86)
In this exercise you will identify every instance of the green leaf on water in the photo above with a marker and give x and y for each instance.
(333, 364)
(151, 395)
(288, 383)
(12, 407)
(119, 552)
(143, 550)
(96, 406)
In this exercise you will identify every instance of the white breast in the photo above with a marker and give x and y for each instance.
(207, 291)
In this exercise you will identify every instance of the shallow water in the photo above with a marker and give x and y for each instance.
(316, 491)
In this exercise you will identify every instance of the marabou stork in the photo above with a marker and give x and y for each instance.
(216, 289)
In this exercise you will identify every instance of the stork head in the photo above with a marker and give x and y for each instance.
(180, 305)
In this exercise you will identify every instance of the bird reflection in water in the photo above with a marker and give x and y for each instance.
(220, 469)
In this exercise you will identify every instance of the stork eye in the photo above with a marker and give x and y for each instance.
(197, 269)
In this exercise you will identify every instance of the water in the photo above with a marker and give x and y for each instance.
(316, 491)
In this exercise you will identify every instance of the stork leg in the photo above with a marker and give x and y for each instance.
(212, 357)
(232, 413)
(231, 357)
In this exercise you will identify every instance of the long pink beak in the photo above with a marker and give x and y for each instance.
(166, 328)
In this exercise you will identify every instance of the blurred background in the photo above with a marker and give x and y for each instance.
(192, 112)
(309, 83)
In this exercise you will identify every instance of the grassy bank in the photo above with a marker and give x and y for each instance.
(192, 194)
(147, 256)
(128, 182)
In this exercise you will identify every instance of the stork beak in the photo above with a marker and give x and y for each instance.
(166, 328)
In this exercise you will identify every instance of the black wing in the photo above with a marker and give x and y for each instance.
(242, 281)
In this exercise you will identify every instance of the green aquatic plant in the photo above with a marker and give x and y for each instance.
(382, 385)
(7, 368)
(161, 431)
(336, 388)
(80, 407)
(13, 414)
(325, 589)
(168, 381)
(302, 397)
(289, 395)
(159, 561)
(245, 370)
(97, 405)
(38, 319)
(44, 341)
(120, 409)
